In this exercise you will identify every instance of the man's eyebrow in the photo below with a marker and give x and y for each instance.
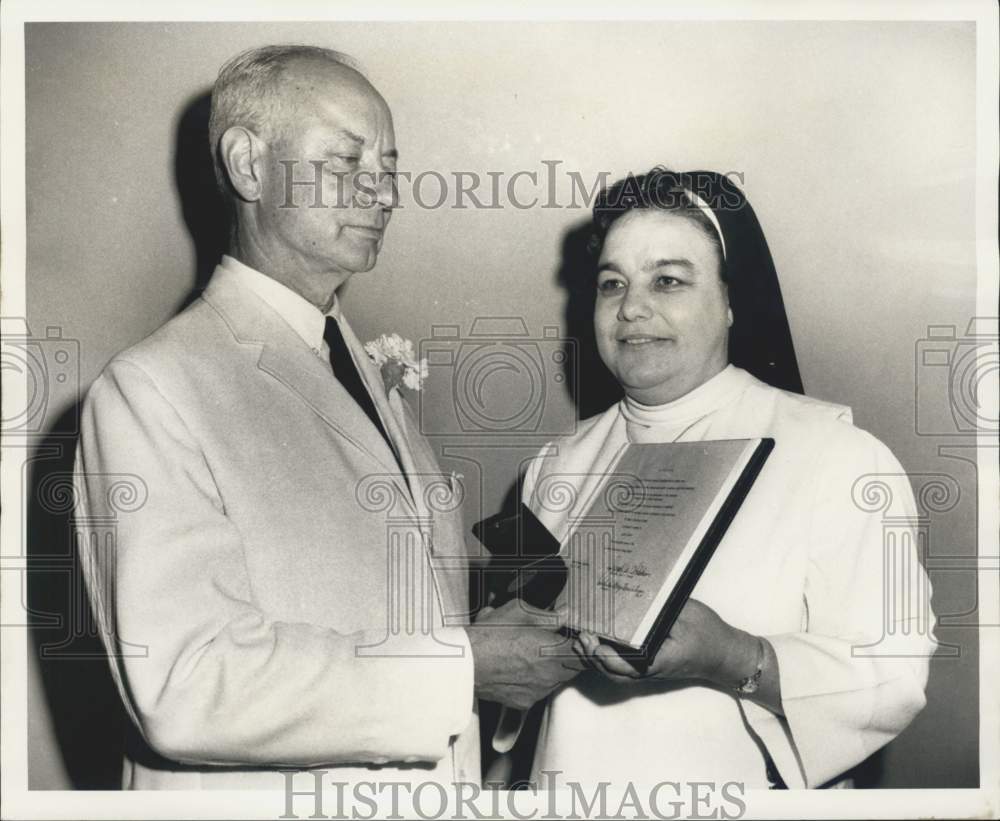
(356, 138)
(392, 153)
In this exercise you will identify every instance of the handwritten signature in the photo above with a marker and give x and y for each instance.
(621, 587)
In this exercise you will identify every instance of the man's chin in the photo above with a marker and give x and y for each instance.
(360, 264)
(365, 267)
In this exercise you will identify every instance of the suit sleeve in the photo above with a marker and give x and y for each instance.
(854, 678)
(219, 682)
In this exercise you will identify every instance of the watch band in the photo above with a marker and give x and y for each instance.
(748, 686)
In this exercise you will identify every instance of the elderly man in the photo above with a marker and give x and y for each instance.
(287, 487)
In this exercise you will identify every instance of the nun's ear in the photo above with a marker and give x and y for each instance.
(729, 317)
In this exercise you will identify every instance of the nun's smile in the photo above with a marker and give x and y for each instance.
(662, 315)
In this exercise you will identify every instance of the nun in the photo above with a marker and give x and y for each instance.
(805, 645)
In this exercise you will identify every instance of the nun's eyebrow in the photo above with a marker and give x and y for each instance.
(669, 263)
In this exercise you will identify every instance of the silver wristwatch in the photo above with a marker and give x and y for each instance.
(748, 686)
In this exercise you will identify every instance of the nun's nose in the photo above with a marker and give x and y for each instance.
(634, 306)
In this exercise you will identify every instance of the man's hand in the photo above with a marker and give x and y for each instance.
(519, 654)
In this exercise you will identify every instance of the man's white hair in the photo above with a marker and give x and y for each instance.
(247, 93)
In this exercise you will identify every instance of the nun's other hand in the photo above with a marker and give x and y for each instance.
(700, 646)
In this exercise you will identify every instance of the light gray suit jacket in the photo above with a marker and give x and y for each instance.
(271, 591)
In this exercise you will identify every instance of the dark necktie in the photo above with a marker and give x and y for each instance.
(347, 374)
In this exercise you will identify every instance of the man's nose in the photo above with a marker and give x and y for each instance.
(634, 305)
(376, 188)
(386, 194)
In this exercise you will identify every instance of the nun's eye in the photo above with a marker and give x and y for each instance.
(610, 285)
(665, 281)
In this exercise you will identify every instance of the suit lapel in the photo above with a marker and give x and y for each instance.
(286, 357)
(430, 487)
(283, 355)
(371, 375)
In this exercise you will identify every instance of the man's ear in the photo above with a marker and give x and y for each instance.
(241, 152)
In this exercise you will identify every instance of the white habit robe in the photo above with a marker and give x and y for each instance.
(807, 564)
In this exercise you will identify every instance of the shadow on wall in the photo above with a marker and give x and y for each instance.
(591, 384)
(87, 716)
(203, 209)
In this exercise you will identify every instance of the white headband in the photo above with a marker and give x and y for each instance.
(702, 206)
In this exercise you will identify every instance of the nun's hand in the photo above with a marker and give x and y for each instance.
(700, 646)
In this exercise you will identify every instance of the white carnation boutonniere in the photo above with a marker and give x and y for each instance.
(397, 361)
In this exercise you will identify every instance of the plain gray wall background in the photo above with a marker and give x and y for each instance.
(856, 142)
